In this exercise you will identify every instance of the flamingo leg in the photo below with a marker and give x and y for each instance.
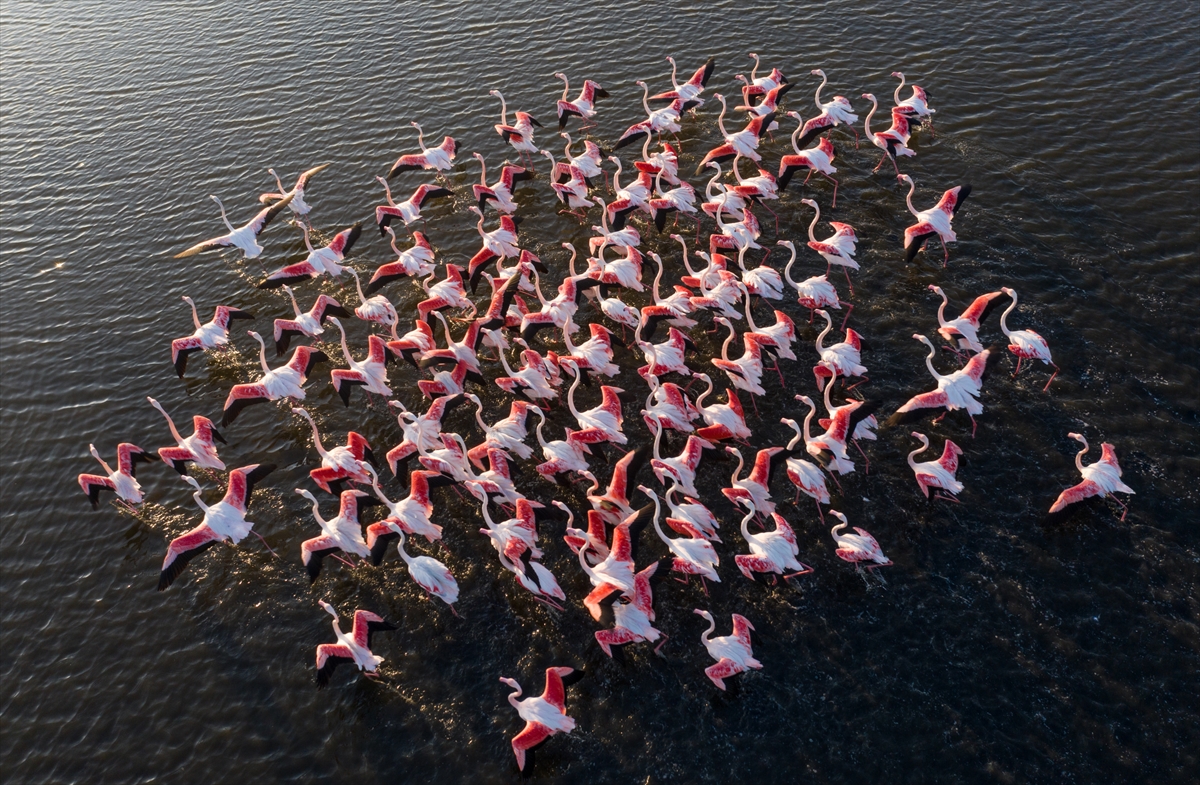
(1124, 507)
(660, 645)
(860, 381)
(845, 319)
(940, 417)
(343, 561)
(974, 425)
(1047, 387)
(835, 187)
(946, 498)
(820, 512)
(865, 458)
(895, 166)
(1019, 359)
(881, 160)
(810, 171)
(846, 270)
(264, 542)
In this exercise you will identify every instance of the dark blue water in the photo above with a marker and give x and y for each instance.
(1002, 647)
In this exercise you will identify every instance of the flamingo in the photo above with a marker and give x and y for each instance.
(613, 505)
(680, 199)
(410, 514)
(558, 312)
(370, 373)
(377, 309)
(744, 142)
(836, 112)
(438, 158)
(497, 478)
(197, 448)
(573, 192)
(815, 292)
(817, 159)
(857, 548)
(595, 354)
(1102, 478)
(958, 390)
(768, 105)
(664, 161)
(413, 344)
(779, 336)
(668, 404)
(893, 141)
(939, 473)
(603, 422)
(450, 459)
(309, 323)
(287, 381)
(966, 326)
(725, 420)
(673, 309)
(688, 93)
(593, 537)
(762, 281)
(1025, 344)
(633, 619)
(426, 571)
(533, 379)
(447, 293)
(615, 571)
(936, 220)
(805, 475)
(728, 201)
(500, 194)
(838, 248)
(122, 481)
(561, 455)
(770, 551)
(344, 462)
(244, 237)
(500, 243)
(297, 203)
(691, 517)
(520, 134)
(917, 102)
(588, 162)
(841, 359)
(692, 556)
(507, 434)
(354, 648)
(326, 259)
(759, 85)
(416, 262)
(223, 521)
(666, 357)
(758, 188)
(745, 373)
(583, 106)
(682, 468)
(544, 715)
(422, 433)
(657, 120)
(755, 489)
(408, 211)
(342, 533)
(623, 271)
(209, 335)
(464, 350)
(732, 652)
(830, 447)
(737, 235)
(634, 196)
(723, 296)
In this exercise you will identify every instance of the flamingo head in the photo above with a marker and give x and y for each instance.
(904, 179)
(809, 202)
(733, 451)
(640, 83)
(336, 322)
(670, 60)
(381, 180)
(795, 115)
(869, 97)
(922, 438)
(305, 494)
(922, 339)
(271, 172)
(935, 288)
(561, 76)
(1077, 437)
(495, 93)
(188, 300)
(897, 74)
(720, 98)
(511, 683)
(476, 210)
(328, 608)
(703, 613)
(817, 72)
(804, 399)
(478, 155)
(839, 516)
(415, 124)
(258, 337)
(647, 492)
(787, 244)
(288, 289)
(1008, 291)
(190, 481)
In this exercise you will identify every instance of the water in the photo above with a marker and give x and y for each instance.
(1002, 647)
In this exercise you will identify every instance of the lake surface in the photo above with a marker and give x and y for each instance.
(1002, 647)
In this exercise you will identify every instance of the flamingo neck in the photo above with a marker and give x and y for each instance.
(733, 480)
(199, 502)
(929, 363)
(749, 311)
(703, 395)
(279, 183)
(296, 305)
(754, 71)
(646, 104)
(567, 147)
(712, 625)
(812, 226)
(571, 394)
(224, 218)
(541, 439)
(317, 438)
(788, 269)
(746, 529)
(566, 87)
(728, 340)
(1004, 316)
(899, 87)
(657, 278)
(262, 355)
(867, 121)
(796, 133)
(941, 314)
(808, 422)
(503, 111)
(924, 446)
(170, 422)
(657, 437)
(1080, 454)
(820, 87)
(674, 82)
(345, 346)
(421, 140)
(195, 315)
(821, 337)
(912, 186)
(721, 116)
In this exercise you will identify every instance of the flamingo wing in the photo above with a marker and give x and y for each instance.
(329, 656)
(241, 484)
(953, 199)
(182, 550)
(1077, 493)
(366, 623)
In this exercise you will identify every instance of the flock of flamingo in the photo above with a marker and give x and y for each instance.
(727, 286)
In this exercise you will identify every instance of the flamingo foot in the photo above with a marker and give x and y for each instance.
(1047, 387)
(658, 648)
